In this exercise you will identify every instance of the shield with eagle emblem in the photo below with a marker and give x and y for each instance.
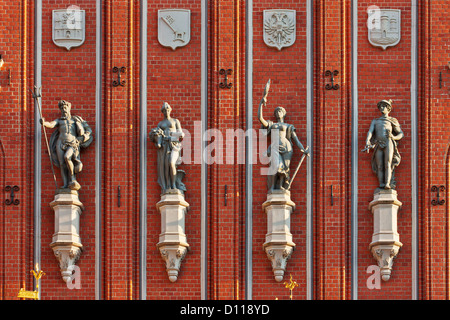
(279, 28)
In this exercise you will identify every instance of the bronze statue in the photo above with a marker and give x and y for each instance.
(167, 137)
(383, 135)
(281, 160)
(72, 134)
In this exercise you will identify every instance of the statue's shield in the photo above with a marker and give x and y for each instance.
(69, 27)
(384, 27)
(174, 27)
(279, 28)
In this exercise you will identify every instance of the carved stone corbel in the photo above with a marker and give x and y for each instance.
(66, 242)
(279, 245)
(173, 255)
(172, 243)
(385, 243)
(67, 256)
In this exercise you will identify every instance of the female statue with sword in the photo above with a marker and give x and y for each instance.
(280, 151)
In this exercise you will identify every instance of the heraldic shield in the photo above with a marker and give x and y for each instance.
(384, 27)
(279, 28)
(174, 27)
(69, 27)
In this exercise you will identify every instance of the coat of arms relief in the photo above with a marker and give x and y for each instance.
(174, 27)
(279, 28)
(69, 27)
(384, 27)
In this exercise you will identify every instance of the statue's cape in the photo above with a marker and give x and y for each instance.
(53, 143)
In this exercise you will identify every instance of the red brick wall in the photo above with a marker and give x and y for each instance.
(331, 162)
(120, 151)
(287, 71)
(385, 75)
(68, 75)
(16, 147)
(174, 76)
(433, 150)
(226, 111)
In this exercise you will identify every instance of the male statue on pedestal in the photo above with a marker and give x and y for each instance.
(383, 135)
(72, 134)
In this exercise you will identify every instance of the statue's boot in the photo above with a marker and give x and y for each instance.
(74, 185)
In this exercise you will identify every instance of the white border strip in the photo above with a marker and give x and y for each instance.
(354, 178)
(310, 143)
(204, 124)
(98, 143)
(37, 134)
(143, 154)
(414, 148)
(249, 151)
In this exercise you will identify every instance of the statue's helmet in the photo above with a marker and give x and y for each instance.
(388, 103)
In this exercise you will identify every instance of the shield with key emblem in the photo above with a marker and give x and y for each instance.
(174, 27)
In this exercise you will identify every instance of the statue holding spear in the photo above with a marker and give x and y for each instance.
(72, 134)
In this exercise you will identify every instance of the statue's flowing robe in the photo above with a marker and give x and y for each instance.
(163, 153)
(285, 151)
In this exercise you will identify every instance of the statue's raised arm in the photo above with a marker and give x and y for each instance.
(263, 102)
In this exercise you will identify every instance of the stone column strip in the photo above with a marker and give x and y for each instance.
(354, 178)
(37, 133)
(414, 149)
(143, 153)
(309, 142)
(204, 125)
(249, 151)
(98, 153)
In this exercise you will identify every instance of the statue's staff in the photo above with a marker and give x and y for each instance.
(305, 153)
(36, 95)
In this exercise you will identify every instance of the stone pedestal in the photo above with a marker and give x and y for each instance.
(278, 245)
(66, 241)
(385, 239)
(172, 243)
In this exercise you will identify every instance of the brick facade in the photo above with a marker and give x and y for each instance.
(176, 76)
